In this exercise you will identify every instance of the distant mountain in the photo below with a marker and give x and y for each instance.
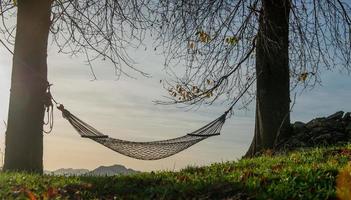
(68, 172)
(100, 171)
(111, 170)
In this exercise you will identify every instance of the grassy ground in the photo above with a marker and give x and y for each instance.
(312, 174)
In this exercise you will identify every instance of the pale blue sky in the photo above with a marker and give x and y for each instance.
(124, 109)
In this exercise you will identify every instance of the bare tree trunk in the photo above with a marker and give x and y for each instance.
(273, 82)
(24, 136)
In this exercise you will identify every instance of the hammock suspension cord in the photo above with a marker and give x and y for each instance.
(145, 150)
(140, 150)
(153, 150)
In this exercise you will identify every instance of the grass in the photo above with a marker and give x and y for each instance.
(305, 174)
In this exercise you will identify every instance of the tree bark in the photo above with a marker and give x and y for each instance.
(273, 82)
(24, 135)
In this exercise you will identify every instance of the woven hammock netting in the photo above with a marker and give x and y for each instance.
(146, 150)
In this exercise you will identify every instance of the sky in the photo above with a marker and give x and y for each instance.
(124, 109)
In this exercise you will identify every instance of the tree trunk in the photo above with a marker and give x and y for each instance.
(24, 136)
(273, 82)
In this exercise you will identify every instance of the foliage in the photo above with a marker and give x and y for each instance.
(97, 30)
(217, 40)
(302, 174)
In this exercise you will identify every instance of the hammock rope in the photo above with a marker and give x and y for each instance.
(153, 150)
(140, 150)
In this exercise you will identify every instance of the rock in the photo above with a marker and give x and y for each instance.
(325, 138)
(296, 143)
(299, 127)
(347, 116)
(348, 128)
(303, 136)
(318, 131)
(334, 125)
(332, 130)
(337, 136)
(315, 122)
(336, 116)
(339, 126)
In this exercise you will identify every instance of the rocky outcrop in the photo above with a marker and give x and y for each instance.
(332, 130)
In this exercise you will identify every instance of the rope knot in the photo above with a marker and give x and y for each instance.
(65, 113)
(61, 107)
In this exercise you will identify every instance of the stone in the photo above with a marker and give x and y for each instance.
(299, 127)
(315, 122)
(333, 125)
(318, 130)
(336, 116)
(332, 130)
(337, 136)
(325, 138)
(348, 128)
(296, 143)
(339, 126)
(303, 136)
(347, 116)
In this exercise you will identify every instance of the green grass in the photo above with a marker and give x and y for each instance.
(298, 175)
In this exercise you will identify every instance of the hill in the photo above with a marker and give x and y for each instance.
(318, 173)
(100, 171)
(111, 171)
(67, 172)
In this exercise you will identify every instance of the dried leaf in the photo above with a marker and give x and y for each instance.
(182, 178)
(303, 76)
(268, 152)
(191, 45)
(232, 40)
(203, 36)
(193, 88)
(343, 183)
(30, 194)
(209, 94)
(52, 192)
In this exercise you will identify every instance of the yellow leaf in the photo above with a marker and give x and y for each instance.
(209, 94)
(203, 36)
(303, 76)
(232, 40)
(15, 2)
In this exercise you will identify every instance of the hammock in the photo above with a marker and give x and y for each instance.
(145, 150)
